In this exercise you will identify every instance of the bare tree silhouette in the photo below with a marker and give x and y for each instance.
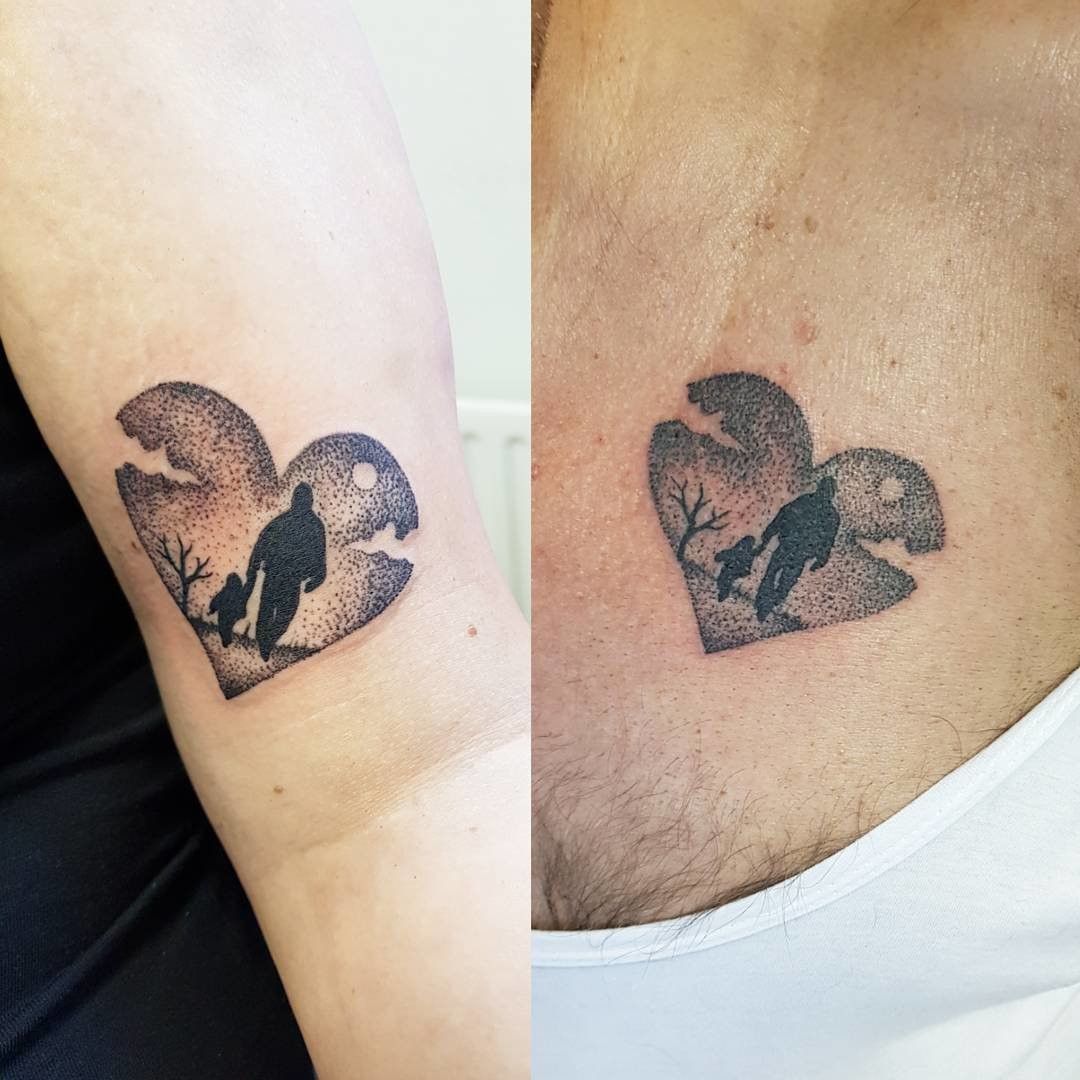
(713, 523)
(180, 564)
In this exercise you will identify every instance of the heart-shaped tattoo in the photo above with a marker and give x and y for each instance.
(768, 541)
(267, 569)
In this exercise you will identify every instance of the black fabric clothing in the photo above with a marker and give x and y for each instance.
(128, 950)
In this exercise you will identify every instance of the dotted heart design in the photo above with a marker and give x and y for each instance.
(267, 569)
(770, 542)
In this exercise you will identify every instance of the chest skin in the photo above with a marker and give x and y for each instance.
(874, 207)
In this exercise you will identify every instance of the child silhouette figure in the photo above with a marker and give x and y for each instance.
(229, 604)
(735, 563)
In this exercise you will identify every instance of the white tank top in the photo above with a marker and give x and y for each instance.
(942, 945)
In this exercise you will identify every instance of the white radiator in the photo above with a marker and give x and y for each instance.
(496, 436)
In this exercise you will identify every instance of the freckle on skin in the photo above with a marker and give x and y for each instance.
(471, 631)
(805, 330)
(278, 789)
(1061, 392)
(810, 224)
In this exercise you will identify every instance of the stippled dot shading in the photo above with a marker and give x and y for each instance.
(768, 541)
(267, 569)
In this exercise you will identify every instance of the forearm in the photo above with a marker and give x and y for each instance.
(218, 197)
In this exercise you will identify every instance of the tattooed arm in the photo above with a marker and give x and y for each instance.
(221, 303)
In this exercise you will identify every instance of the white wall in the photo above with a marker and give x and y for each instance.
(457, 74)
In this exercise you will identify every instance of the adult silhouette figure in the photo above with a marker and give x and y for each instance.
(735, 562)
(806, 528)
(291, 552)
